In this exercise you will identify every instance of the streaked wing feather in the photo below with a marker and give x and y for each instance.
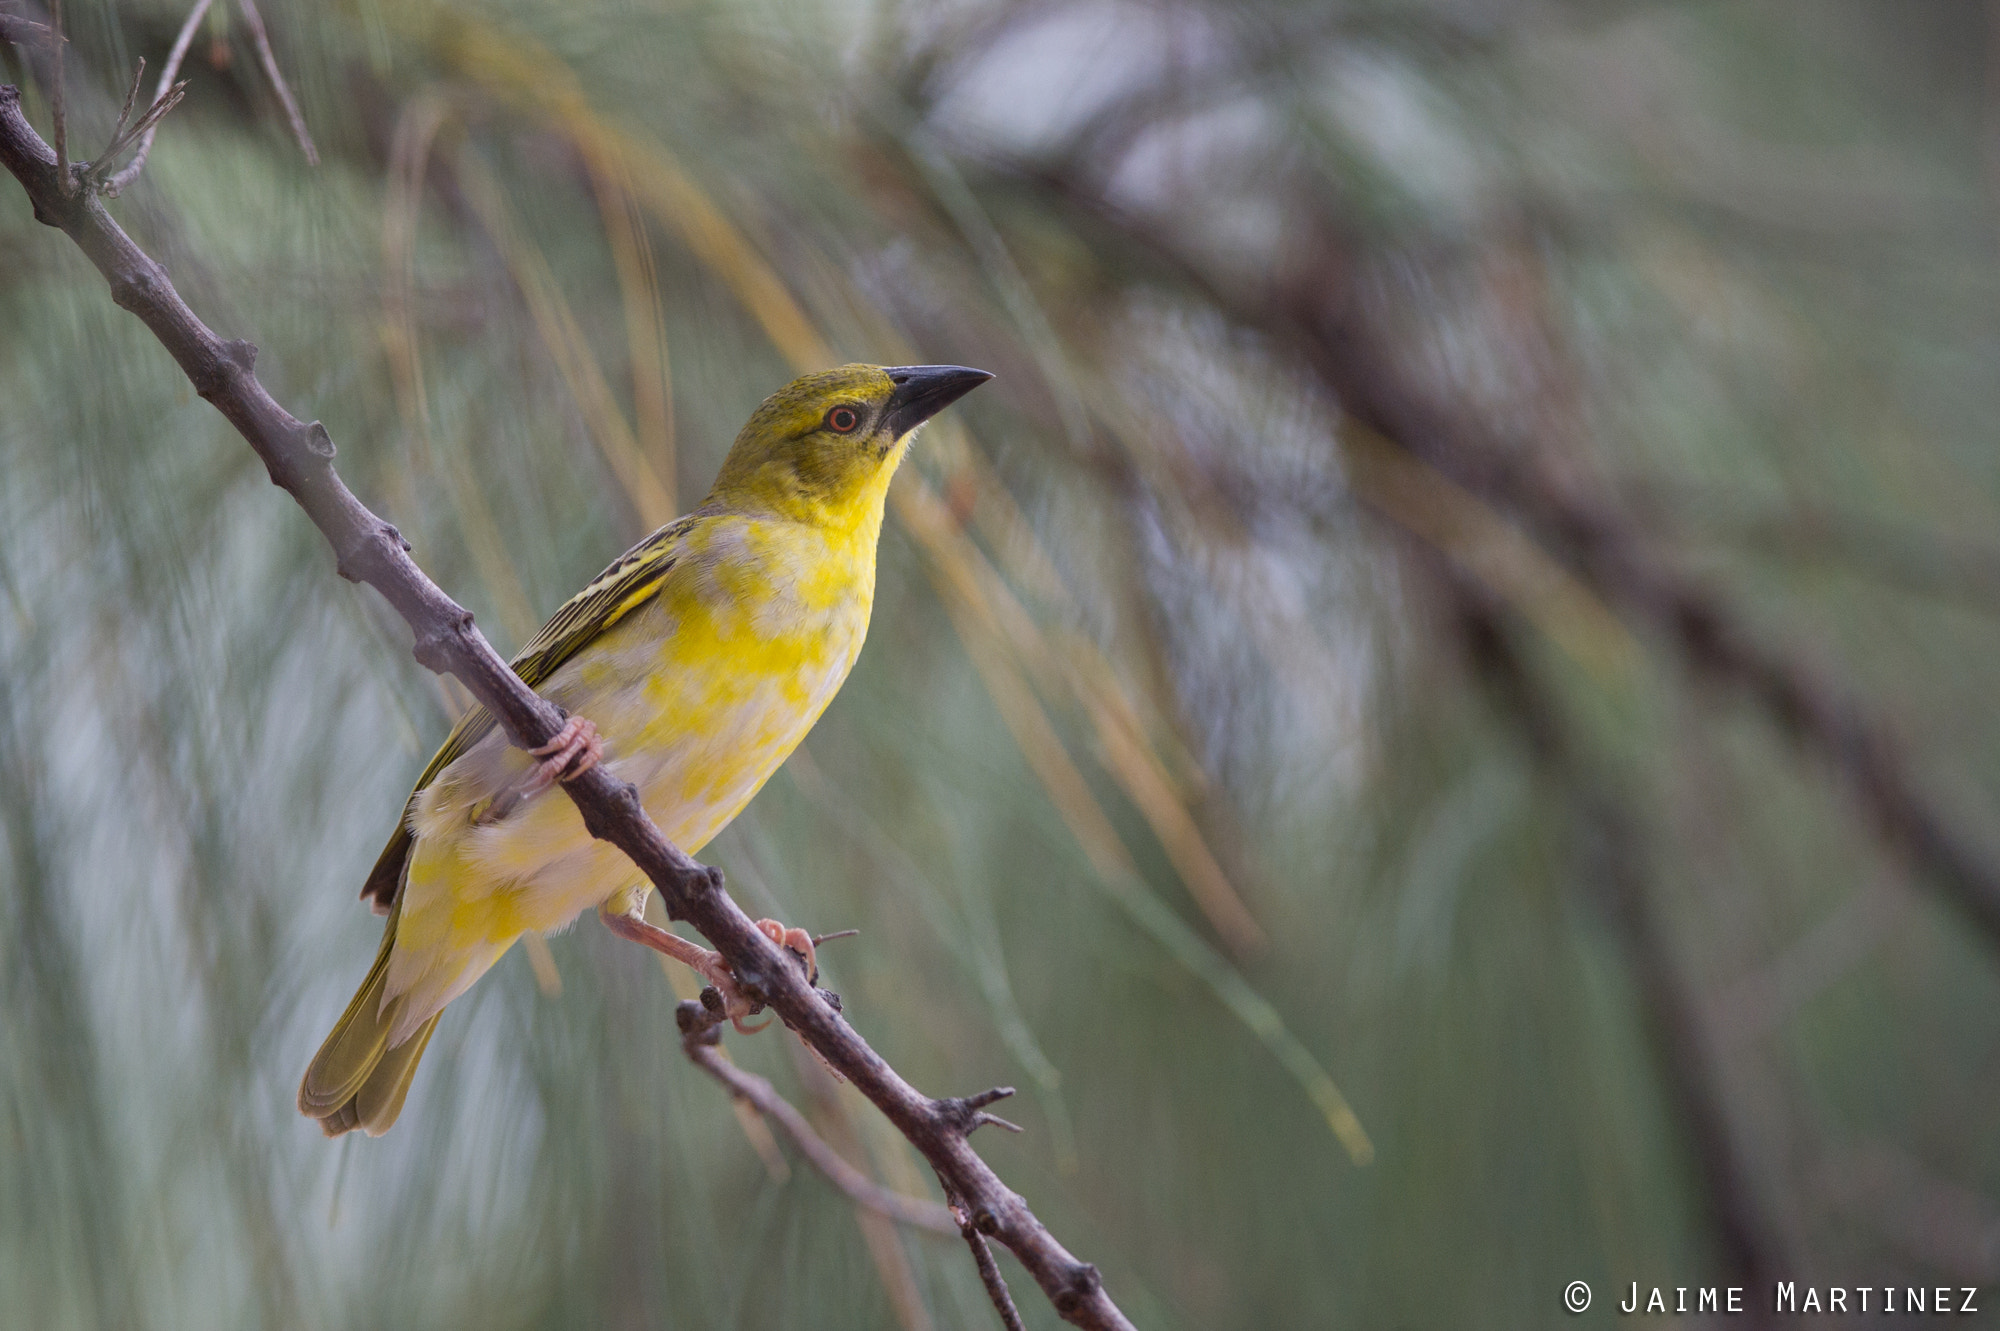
(628, 583)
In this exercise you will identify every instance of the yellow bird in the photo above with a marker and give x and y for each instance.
(692, 667)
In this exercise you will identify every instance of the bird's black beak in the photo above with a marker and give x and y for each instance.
(922, 391)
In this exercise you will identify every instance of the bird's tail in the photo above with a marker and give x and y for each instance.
(357, 1080)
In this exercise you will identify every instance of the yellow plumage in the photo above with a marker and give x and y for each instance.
(702, 656)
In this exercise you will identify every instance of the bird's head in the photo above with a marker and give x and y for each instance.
(823, 447)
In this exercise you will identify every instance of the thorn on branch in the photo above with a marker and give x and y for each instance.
(233, 358)
(1079, 1287)
(138, 289)
(355, 560)
(697, 881)
(437, 649)
(966, 1116)
(620, 807)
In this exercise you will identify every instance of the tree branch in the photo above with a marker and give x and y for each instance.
(989, 1275)
(1620, 867)
(299, 458)
(701, 1041)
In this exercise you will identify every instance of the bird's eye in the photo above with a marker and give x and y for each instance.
(842, 420)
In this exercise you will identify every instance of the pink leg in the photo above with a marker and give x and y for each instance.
(576, 749)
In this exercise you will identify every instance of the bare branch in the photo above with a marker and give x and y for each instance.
(262, 40)
(701, 1041)
(989, 1275)
(299, 458)
(117, 184)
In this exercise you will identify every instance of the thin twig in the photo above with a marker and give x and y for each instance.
(299, 458)
(118, 183)
(59, 113)
(23, 31)
(255, 22)
(701, 1041)
(989, 1270)
(124, 138)
(131, 96)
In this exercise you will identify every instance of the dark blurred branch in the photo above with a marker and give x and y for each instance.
(1894, 553)
(23, 31)
(1710, 633)
(1312, 308)
(299, 458)
(1942, 1224)
(1618, 862)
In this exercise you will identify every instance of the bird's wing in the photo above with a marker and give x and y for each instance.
(633, 578)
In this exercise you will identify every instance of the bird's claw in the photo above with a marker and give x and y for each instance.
(736, 1005)
(796, 941)
(576, 748)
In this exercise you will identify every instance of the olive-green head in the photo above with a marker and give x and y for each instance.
(823, 447)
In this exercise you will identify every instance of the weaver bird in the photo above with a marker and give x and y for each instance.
(692, 667)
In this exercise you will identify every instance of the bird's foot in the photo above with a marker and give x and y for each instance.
(576, 749)
(794, 940)
(734, 1004)
(710, 965)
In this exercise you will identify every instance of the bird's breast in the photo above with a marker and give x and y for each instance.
(701, 694)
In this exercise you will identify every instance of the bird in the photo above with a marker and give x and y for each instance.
(691, 667)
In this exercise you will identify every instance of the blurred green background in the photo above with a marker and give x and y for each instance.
(1477, 585)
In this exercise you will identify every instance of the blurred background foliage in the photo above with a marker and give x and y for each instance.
(1473, 598)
